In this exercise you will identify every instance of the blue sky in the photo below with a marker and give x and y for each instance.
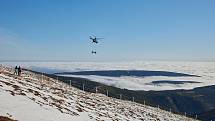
(133, 29)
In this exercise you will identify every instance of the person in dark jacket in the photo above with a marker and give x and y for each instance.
(19, 71)
(16, 70)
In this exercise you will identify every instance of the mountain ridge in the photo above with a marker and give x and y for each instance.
(53, 100)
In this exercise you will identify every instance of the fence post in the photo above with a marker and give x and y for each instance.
(62, 83)
(185, 114)
(70, 83)
(107, 92)
(158, 106)
(83, 86)
(133, 99)
(170, 110)
(96, 90)
(120, 96)
(196, 116)
(42, 77)
(144, 103)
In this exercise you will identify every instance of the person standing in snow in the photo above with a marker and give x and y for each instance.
(19, 71)
(16, 70)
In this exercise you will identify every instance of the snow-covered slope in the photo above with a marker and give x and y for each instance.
(35, 98)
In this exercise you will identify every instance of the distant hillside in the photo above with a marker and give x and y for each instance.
(137, 73)
(208, 116)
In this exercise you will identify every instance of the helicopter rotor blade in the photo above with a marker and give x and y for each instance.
(99, 38)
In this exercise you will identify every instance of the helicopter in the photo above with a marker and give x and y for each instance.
(95, 39)
(93, 52)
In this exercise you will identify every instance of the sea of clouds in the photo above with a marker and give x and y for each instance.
(204, 69)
